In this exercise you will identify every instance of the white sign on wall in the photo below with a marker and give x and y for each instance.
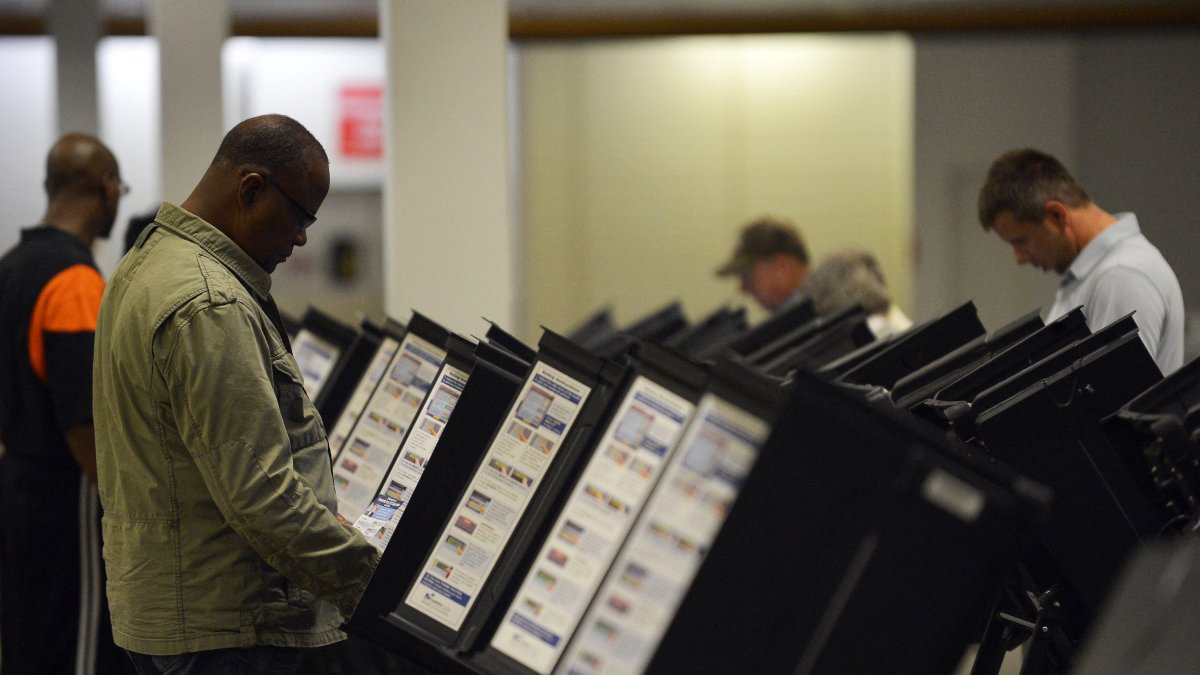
(334, 87)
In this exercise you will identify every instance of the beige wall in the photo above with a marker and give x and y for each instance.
(641, 159)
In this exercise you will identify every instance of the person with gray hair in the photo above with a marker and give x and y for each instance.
(854, 277)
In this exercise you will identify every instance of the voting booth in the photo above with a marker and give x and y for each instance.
(487, 498)
(658, 325)
(815, 343)
(353, 364)
(623, 468)
(494, 377)
(709, 335)
(924, 382)
(743, 342)
(860, 543)
(1051, 431)
(318, 344)
(363, 447)
(795, 496)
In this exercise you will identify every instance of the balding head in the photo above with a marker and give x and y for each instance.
(83, 187)
(274, 143)
(263, 187)
(78, 163)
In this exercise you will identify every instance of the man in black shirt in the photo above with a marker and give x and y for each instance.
(52, 612)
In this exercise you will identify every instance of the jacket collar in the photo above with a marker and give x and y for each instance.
(220, 246)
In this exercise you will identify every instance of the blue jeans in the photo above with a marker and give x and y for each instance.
(260, 660)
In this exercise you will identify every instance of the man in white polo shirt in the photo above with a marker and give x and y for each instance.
(1034, 204)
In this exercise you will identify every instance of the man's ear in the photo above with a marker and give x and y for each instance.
(250, 187)
(1056, 215)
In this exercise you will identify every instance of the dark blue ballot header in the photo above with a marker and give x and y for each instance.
(443, 588)
(658, 407)
(534, 629)
(385, 507)
(732, 430)
(554, 424)
(422, 354)
(556, 388)
(651, 445)
(453, 381)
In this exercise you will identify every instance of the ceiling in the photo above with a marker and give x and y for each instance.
(573, 18)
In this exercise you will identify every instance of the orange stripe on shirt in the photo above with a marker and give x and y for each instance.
(69, 303)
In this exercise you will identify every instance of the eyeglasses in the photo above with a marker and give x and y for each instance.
(122, 186)
(309, 215)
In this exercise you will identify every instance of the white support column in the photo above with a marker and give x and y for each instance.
(190, 36)
(448, 246)
(75, 25)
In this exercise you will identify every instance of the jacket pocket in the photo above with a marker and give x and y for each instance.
(143, 580)
(300, 416)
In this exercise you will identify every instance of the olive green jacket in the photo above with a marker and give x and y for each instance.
(219, 508)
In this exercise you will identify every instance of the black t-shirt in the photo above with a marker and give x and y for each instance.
(49, 299)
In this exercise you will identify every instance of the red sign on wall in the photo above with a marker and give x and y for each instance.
(361, 115)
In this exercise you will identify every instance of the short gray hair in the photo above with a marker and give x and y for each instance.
(846, 278)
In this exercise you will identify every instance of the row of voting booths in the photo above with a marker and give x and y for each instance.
(795, 496)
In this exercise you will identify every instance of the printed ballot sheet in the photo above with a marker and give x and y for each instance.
(379, 521)
(376, 437)
(653, 571)
(362, 393)
(316, 357)
(488, 512)
(592, 526)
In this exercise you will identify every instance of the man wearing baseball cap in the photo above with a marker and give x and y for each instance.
(771, 261)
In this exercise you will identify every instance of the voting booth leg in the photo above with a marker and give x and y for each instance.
(1017, 620)
(1010, 625)
(1050, 651)
(995, 642)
